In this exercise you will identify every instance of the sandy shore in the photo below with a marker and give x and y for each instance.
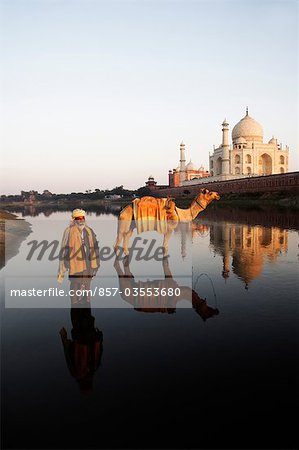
(13, 231)
(4, 215)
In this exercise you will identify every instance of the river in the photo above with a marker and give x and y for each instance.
(216, 367)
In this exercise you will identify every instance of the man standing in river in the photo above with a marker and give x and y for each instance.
(79, 254)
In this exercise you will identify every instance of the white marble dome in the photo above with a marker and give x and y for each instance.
(248, 129)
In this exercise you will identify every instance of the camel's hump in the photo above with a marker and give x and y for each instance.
(147, 198)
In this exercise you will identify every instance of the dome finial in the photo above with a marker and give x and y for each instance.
(246, 110)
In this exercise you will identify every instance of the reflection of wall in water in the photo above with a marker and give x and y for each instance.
(248, 247)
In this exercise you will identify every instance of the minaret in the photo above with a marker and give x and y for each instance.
(182, 163)
(225, 148)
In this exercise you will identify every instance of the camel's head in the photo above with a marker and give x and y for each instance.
(210, 195)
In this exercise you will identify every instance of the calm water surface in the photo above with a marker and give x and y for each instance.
(219, 373)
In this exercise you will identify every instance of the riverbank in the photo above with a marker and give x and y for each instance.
(13, 231)
(250, 201)
(4, 215)
(279, 199)
(65, 204)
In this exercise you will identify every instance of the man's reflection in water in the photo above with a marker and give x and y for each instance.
(159, 303)
(83, 351)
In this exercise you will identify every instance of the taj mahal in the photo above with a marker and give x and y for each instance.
(248, 155)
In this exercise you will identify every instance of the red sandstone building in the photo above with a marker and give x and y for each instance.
(185, 172)
(152, 184)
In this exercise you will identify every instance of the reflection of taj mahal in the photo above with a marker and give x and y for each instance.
(248, 155)
(248, 247)
(244, 248)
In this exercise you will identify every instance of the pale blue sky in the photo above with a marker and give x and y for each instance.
(100, 93)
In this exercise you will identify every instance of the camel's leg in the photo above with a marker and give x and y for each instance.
(117, 267)
(124, 223)
(126, 263)
(119, 238)
(127, 236)
(166, 269)
(165, 241)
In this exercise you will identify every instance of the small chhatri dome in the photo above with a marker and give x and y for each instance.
(190, 166)
(248, 129)
(178, 169)
(273, 141)
(182, 144)
(151, 177)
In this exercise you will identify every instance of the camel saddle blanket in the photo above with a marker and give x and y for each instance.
(150, 214)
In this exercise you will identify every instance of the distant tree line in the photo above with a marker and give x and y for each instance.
(96, 194)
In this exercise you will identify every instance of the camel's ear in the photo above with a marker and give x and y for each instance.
(204, 191)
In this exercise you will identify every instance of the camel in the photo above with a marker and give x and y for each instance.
(174, 215)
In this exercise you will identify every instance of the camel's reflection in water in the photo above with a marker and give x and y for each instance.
(158, 303)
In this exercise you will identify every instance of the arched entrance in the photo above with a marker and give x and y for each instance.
(265, 164)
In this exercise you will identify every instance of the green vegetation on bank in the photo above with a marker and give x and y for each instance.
(119, 193)
(122, 196)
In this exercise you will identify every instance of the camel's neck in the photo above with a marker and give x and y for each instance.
(188, 214)
(198, 205)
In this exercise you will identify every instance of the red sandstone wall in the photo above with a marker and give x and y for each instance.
(270, 183)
